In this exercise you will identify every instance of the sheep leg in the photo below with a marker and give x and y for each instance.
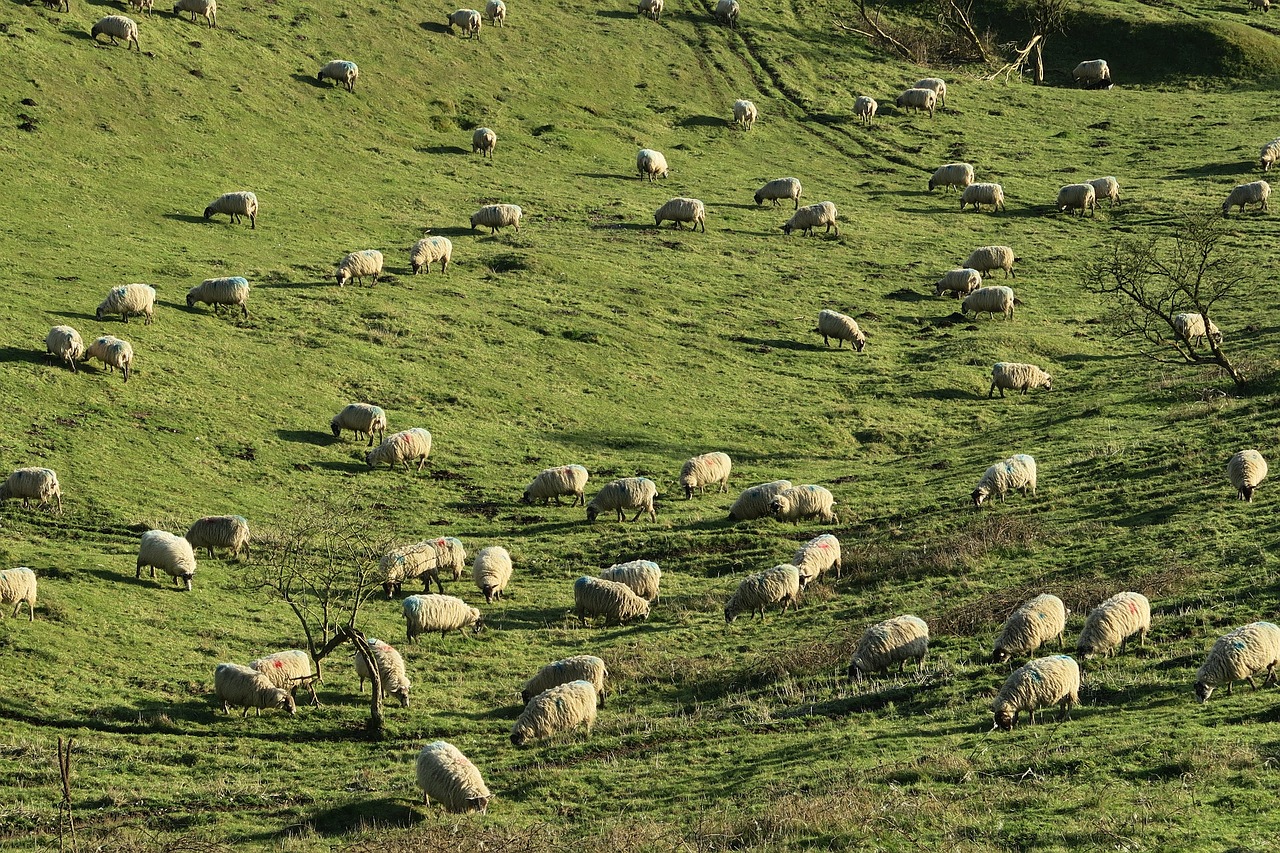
(638, 514)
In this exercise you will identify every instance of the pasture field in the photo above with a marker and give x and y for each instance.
(591, 337)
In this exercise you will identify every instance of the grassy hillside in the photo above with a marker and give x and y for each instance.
(592, 337)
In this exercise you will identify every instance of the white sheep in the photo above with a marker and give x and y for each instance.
(559, 709)
(58, 5)
(495, 216)
(65, 343)
(16, 586)
(1033, 623)
(806, 501)
(918, 99)
(467, 21)
(343, 72)
(428, 250)
(1113, 622)
(958, 175)
(842, 327)
(39, 484)
(615, 601)
(1237, 655)
(819, 555)
(1246, 469)
(1016, 376)
(1192, 328)
(551, 483)
(938, 85)
(221, 291)
(780, 188)
(410, 445)
(362, 419)
(1079, 197)
(1264, 5)
(117, 26)
(779, 585)
(496, 12)
(754, 501)
(142, 6)
(1017, 473)
(577, 668)
(171, 554)
(980, 194)
(1092, 72)
(990, 299)
(357, 265)
(288, 670)
(1269, 154)
(707, 469)
(643, 577)
(651, 164)
(727, 12)
(220, 531)
(865, 108)
(424, 560)
(1255, 192)
(483, 139)
(627, 493)
(244, 687)
(960, 282)
(492, 572)
(207, 8)
(235, 205)
(113, 353)
(443, 772)
(987, 258)
(1037, 684)
(680, 210)
(129, 299)
(1107, 187)
(391, 671)
(650, 8)
(895, 640)
(811, 216)
(443, 613)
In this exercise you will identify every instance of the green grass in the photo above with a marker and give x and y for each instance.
(591, 337)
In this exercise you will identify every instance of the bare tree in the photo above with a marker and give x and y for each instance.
(953, 38)
(1044, 18)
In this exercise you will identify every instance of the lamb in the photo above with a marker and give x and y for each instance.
(16, 586)
(220, 531)
(960, 282)
(745, 113)
(467, 21)
(1107, 187)
(551, 483)
(991, 300)
(780, 188)
(1015, 473)
(958, 175)
(650, 8)
(357, 265)
(244, 687)
(559, 709)
(221, 291)
(937, 85)
(819, 555)
(362, 419)
(1246, 469)
(1037, 684)
(651, 164)
(577, 668)
(895, 640)
(391, 671)
(428, 250)
(65, 343)
(1237, 655)
(680, 210)
(288, 670)
(422, 559)
(1256, 192)
(1079, 197)
(988, 258)
(643, 577)
(1035, 622)
(727, 12)
(40, 484)
(1016, 376)
(1192, 327)
(1113, 622)
(781, 584)
(980, 194)
(116, 26)
(443, 772)
(129, 299)
(1269, 154)
(707, 469)
(171, 554)
(406, 446)
(627, 493)
(496, 12)
(113, 353)
(483, 139)
(865, 108)
(811, 216)
(236, 205)
(342, 72)
(208, 8)
(610, 599)
(842, 327)
(754, 501)
(1091, 73)
(495, 216)
(918, 99)
(800, 502)
(492, 572)
(443, 613)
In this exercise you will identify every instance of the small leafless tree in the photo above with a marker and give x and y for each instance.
(1044, 18)
(953, 38)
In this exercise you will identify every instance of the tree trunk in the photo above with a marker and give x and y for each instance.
(1038, 58)
(377, 726)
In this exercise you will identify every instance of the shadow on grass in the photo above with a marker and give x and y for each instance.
(832, 120)
(310, 80)
(948, 394)
(1208, 170)
(780, 343)
(308, 436)
(455, 231)
(906, 294)
(186, 217)
(442, 149)
(22, 354)
(383, 812)
(606, 176)
(704, 121)
(433, 27)
(344, 467)
(614, 13)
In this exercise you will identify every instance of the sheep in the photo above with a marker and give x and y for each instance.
(987, 258)
(65, 343)
(1269, 154)
(144, 6)
(1264, 5)
(1037, 684)
(937, 85)
(357, 265)
(244, 687)
(492, 572)
(551, 483)
(483, 139)
(865, 108)
(613, 600)
(1015, 473)
(957, 175)
(781, 584)
(559, 709)
(918, 99)
(1079, 197)
(980, 194)
(819, 555)
(422, 559)
(235, 205)
(627, 493)
(288, 670)
(895, 640)
(707, 469)
(1035, 622)
(428, 250)
(58, 5)
(727, 12)
(208, 8)
(960, 282)
(406, 446)
(443, 613)
(391, 671)
(1113, 622)
(577, 668)
(171, 554)
(1237, 655)
(745, 113)
(443, 772)
(343, 72)
(16, 586)
(220, 531)
(1256, 192)
(496, 12)
(1091, 73)
(643, 577)
(116, 26)
(40, 484)
(1107, 187)
(1246, 469)
(780, 188)
(495, 216)
(989, 299)
(1192, 328)
(651, 164)
(650, 8)
(221, 291)
(362, 419)
(113, 353)
(806, 501)
(754, 501)
(680, 210)
(811, 216)
(467, 21)
(1016, 376)
(842, 327)
(129, 299)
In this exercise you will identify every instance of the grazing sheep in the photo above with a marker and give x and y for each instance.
(129, 299)
(990, 299)
(727, 12)
(1246, 469)
(811, 216)
(577, 668)
(221, 291)
(113, 353)
(492, 572)
(1236, 655)
(960, 282)
(842, 327)
(406, 446)
(288, 670)
(865, 108)
(781, 584)
(443, 613)
(1256, 192)
(244, 687)
(467, 21)
(613, 600)
(780, 188)
(1016, 376)
(559, 709)
(680, 210)
(819, 555)
(1112, 622)
(708, 469)
(1191, 327)
(235, 205)
(918, 99)
(39, 484)
(1264, 5)
(754, 501)
(391, 671)
(342, 72)
(171, 554)
(651, 164)
(800, 502)
(895, 640)
(58, 5)
(428, 250)
(958, 175)
(627, 493)
(16, 586)
(443, 772)
(220, 531)
(551, 483)
(362, 419)
(116, 26)
(980, 194)
(1035, 622)
(937, 85)
(650, 8)
(65, 343)
(208, 8)
(1107, 187)
(643, 577)
(1037, 684)
(1269, 154)
(988, 258)
(143, 6)
(357, 265)
(496, 12)
(483, 139)
(495, 216)
(1079, 197)
(1092, 72)
(422, 559)
(745, 113)
(1015, 473)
